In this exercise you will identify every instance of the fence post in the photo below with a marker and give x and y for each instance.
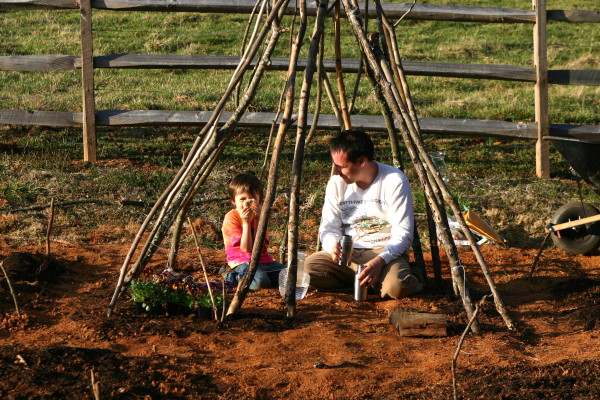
(540, 60)
(87, 79)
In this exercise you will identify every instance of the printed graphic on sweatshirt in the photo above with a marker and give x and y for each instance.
(368, 225)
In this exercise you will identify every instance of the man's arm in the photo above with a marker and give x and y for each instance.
(401, 219)
(331, 220)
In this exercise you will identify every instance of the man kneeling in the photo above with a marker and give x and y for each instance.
(371, 202)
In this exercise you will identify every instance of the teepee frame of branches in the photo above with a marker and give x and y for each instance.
(383, 67)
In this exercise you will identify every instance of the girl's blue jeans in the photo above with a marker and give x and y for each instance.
(266, 276)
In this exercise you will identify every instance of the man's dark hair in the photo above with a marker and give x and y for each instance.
(354, 142)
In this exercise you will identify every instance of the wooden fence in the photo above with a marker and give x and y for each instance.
(540, 130)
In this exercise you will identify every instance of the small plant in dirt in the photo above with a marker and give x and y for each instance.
(171, 291)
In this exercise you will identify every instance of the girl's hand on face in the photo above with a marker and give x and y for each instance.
(249, 212)
(246, 214)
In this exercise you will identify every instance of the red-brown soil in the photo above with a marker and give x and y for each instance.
(64, 334)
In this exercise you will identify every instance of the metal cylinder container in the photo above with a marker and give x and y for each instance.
(360, 292)
(346, 244)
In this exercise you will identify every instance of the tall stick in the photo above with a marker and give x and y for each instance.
(438, 184)
(12, 292)
(393, 98)
(95, 386)
(290, 290)
(434, 248)
(338, 67)
(331, 97)
(360, 63)
(261, 230)
(181, 215)
(245, 38)
(461, 340)
(210, 293)
(319, 96)
(204, 144)
(49, 228)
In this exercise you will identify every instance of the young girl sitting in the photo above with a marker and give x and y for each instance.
(239, 231)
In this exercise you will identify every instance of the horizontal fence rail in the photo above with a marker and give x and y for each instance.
(540, 75)
(392, 10)
(440, 126)
(175, 61)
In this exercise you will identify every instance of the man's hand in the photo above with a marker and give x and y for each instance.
(336, 255)
(371, 272)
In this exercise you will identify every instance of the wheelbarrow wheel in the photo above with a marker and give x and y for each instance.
(579, 239)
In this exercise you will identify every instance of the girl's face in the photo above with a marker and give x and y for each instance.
(244, 200)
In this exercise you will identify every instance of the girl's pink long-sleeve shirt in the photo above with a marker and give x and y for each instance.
(232, 234)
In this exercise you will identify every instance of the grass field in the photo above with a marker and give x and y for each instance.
(495, 178)
(574, 46)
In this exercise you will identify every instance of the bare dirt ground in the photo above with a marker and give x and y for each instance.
(64, 334)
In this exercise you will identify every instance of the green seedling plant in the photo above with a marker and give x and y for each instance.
(158, 289)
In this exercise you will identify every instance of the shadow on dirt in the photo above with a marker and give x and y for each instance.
(65, 372)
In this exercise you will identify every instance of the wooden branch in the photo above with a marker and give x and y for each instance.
(360, 64)
(461, 340)
(49, 228)
(338, 68)
(413, 143)
(271, 132)
(294, 205)
(261, 229)
(539, 253)
(210, 293)
(10, 287)
(245, 39)
(172, 197)
(95, 386)
(405, 14)
(332, 101)
(439, 185)
(389, 119)
(223, 294)
(319, 101)
(433, 247)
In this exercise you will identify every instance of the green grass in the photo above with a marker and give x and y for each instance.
(574, 46)
(493, 177)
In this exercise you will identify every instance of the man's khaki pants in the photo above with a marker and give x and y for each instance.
(397, 279)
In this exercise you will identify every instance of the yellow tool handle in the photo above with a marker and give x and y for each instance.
(570, 224)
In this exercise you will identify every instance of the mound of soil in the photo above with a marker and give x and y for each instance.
(335, 349)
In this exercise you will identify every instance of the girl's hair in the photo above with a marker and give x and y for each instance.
(245, 183)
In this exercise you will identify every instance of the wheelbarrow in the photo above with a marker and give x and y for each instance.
(575, 227)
